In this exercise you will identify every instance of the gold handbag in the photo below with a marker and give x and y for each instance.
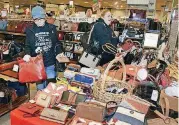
(53, 115)
(43, 100)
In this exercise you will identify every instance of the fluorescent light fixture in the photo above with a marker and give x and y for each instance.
(71, 3)
(116, 3)
(86, 2)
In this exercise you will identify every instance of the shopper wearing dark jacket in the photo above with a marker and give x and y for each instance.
(103, 33)
(42, 37)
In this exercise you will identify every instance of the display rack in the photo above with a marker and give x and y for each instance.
(12, 33)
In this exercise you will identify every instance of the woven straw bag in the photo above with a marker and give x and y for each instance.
(99, 88)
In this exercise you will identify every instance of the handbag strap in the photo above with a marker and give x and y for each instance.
(109, 48)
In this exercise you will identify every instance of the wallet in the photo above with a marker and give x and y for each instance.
(72, 98)
(29, 108)
(53, 115)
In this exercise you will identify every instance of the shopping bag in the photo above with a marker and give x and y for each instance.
(32, 71)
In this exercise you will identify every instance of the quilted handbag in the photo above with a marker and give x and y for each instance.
(3, 25)
(32, 71)
(58, 116)
(83, 78)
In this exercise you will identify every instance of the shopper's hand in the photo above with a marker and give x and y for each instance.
(26, 58)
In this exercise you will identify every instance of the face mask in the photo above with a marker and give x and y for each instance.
(107, 18)
(40, 22)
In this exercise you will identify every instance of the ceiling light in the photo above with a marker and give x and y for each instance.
(86, 2)
(121, 5)
(71, 3)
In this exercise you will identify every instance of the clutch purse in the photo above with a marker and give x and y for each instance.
(72, 98)
(92, 111)
(43, 99)
(83, 78)
(29, 108)
(58, 116)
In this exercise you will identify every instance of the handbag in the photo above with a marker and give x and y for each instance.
(74, 27)
(164, 119)
(58, 116)
(91, 111)
(71, 98)
(43, 99)
(83, 78)
(78, 48)
(62, 59)
(32, 71)
(29, 108)
(69, 74)
(7, 66)
(127, 117)
(89, 59)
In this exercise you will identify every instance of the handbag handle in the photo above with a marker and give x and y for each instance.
(117, 59)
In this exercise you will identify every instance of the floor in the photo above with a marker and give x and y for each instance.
(5, 119)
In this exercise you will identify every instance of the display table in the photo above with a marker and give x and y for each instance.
(17, 118)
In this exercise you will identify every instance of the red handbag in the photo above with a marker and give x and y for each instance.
(32, 71)
(60, 35)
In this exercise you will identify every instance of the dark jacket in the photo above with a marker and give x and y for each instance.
(104, 34)
(31, 40)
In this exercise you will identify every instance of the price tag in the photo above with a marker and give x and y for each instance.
(15, 68)
(154, 95)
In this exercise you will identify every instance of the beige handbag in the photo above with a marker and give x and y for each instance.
(43, 100)
(58, 116)
(164, 119)
(62, 59)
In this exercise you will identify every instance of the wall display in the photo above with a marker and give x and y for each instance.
(151, 40)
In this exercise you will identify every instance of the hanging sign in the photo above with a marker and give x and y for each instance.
(80, 19)
(95, 7)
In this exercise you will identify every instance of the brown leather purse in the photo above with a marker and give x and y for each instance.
(92, 111)
(11, 26)
(29, 108)
(7, 66)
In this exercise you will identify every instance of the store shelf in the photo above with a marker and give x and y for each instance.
(12, 33)
(70, 31)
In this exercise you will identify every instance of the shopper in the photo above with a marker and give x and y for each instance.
(103, 34)
(42, 37)
(50, 17)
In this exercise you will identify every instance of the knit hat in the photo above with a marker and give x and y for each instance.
(38, 12)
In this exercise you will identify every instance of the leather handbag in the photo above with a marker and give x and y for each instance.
(7, 66)
(89, 59)
(29, 108)
(164, 119)
(11, 26)
(62, 59)
(81, 121)
(43, 99)
(60, 35)
(138, 104)
(26, 25)
(69, 37)
(84, 79)
(127, 117)
(71, 98)
(58, 116)
(19, 27)
(78, 48)
(66, 26)
(32, 71)
(127, 45)
(91, 111)
(74, 27)
(69, 47)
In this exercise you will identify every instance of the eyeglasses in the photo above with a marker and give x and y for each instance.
(38, 19)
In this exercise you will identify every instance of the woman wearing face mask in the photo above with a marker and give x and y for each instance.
(42, 37)
(104, 34)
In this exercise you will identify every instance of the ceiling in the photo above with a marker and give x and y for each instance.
(118, 4)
